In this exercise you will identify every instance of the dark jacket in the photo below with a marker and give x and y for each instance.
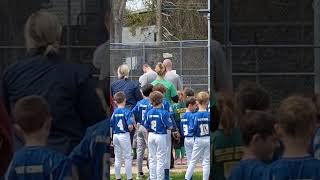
(130, 88)
(69, 90)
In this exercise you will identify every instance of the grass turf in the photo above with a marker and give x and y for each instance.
(178, 176)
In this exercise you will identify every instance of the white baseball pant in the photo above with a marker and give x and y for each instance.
(188, 145)
(122, 150)
(157, 154)
(201, 150)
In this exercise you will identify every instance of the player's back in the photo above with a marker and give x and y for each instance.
(186, 124)
(95, 150)
(294, 168)
(227, 152)
(120, 120)
(251, 169)
(158, 121)
(201, 124)
(140, 109)
(37, 163)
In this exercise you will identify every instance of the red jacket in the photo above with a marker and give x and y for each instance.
(6, 147)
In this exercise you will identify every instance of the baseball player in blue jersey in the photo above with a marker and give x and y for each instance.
(201, 147)
(140, 111)
(185, 124)
(95, 150)
(34, 161)
(157, 123)
(296, 124)
(166, 106)
(121, 123)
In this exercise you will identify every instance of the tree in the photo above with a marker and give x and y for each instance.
(118, 10)
(179, 19)
(159, 20)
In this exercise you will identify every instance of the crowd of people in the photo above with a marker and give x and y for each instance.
(152, 114)
(58, 122)
(256, 141)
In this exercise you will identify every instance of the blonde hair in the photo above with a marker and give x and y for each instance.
(43, 30)
(123, 71)
(296, 115)
(203, 98)
(160, 69)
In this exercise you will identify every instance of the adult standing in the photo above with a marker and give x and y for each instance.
(101, 61)
(132, 91)
(172, 76)
(68, 88)
(222, 74)
(171, 93)
(130, 88)
(149, 75)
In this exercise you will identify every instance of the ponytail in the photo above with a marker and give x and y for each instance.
(226, 106)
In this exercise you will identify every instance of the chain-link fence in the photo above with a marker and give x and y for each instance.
(272, 43)
(190, 59)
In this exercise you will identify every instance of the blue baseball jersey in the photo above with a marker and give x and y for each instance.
(201, 123)
(36, 163)
(140, 110)
(166, 106)
(95, 150)
(158, 121)
(251, 169)
(120, 120)
(186, 123)
(294, 168)
(316, 144)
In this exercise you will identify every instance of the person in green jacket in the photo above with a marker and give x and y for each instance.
(171, 93)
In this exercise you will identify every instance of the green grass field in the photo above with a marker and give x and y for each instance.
(174, 176)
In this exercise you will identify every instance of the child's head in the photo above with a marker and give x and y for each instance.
(226, 106)
(251, 96)
(191, 104)
(146, 90)
(258, 134)
(156, 98)
(202, 99)
(32, 115)
(160, 87)
(188, 92)
(296, 118)
(119, 98)
(180, 94)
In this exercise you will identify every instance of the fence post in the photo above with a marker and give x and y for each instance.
(181, 63)
(68, 30)
(209, 43)
(316, 9)
(144, 53)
